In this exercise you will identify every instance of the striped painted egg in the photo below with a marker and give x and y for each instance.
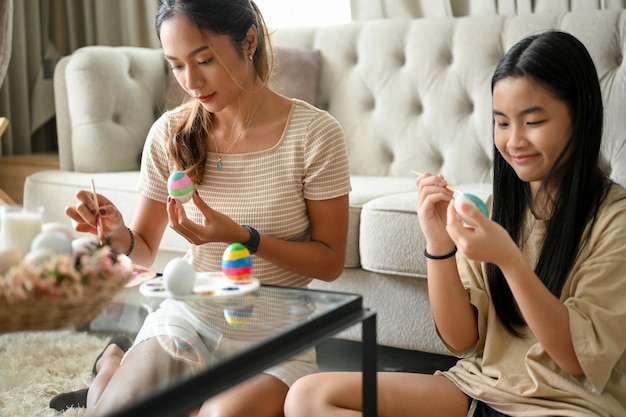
(238, 317)
(237, 262)
(179, 186)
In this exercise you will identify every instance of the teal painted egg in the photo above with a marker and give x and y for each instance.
(479, 203)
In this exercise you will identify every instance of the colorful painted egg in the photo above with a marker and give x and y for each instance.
(179, 186)
(238, 317)
(237, 262)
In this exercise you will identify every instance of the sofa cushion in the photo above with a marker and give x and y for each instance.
(390, 237)
(296, 75)
(364, 189)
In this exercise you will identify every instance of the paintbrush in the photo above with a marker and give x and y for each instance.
(99, 229)
(478, 202)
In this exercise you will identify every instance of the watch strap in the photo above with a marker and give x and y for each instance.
(253, 243)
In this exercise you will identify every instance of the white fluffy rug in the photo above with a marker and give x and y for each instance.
(36, 366)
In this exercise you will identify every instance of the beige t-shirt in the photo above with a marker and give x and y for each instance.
(266, 190)
(515, 375)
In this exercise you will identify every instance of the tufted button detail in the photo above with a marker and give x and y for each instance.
(418, 108)
(401, 58)
(353, 57)
(369, 103)
(116, 119)
(448, 58)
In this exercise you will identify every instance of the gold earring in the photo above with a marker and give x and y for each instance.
(250, 57)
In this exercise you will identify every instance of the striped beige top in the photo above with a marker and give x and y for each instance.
(266, 189)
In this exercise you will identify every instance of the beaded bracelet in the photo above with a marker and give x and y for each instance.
(132, 242)
(439, 258)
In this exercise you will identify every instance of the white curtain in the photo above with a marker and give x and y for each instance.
(43, 31)
(381, 9)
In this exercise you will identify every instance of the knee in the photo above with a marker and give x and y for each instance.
(303, 397)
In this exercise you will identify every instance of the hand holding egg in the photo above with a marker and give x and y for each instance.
(460, 197)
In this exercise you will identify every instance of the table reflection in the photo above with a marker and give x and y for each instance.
(189, 337)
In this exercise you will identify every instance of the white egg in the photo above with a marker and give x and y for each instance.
(59, 227)
(85, 245)
(458, 200)
(54, 240)
(9, 257)
(179, 277)
(37, 256)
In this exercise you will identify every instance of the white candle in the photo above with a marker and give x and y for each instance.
(19, 226)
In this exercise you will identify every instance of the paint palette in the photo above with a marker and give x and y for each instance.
(140, 275)
(208, 285)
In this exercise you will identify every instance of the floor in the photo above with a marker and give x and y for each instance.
(345, 355)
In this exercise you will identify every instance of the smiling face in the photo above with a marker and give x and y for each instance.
(531, 129)
(208, 66)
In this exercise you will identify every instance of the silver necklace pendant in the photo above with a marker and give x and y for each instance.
(219, 164)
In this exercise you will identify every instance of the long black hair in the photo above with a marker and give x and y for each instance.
(559, 62)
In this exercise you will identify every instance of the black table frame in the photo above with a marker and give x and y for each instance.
(189, 394)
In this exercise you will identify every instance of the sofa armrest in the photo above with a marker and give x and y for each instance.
(66, 160)
(106, 100)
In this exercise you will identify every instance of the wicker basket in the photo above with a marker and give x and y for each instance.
(49, 314)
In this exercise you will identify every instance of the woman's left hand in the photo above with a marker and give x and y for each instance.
(215, 227)
(484, 241)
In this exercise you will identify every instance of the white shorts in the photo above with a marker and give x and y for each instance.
(189, 339)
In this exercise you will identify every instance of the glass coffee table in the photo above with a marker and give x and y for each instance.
(270, 324)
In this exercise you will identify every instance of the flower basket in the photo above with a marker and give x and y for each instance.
(65, 290)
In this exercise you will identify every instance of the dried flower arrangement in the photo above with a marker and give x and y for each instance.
(62, 290)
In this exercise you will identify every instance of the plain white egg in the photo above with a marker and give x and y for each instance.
(58, 227)
(179, 277)
(37, 256)
(85, 245)
(53, 240)
(9, 257)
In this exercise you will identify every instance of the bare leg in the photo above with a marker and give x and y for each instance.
(338, 394)
(261, 396)
(117, 384)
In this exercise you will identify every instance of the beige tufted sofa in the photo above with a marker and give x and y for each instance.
(410, 95)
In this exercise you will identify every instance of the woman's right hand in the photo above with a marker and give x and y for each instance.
(432, 205)
(102, 219)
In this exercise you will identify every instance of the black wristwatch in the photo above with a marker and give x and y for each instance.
(253, 243)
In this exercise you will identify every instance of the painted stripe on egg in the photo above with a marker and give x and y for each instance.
(237, 273)
(237, 263)
(180, 191)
